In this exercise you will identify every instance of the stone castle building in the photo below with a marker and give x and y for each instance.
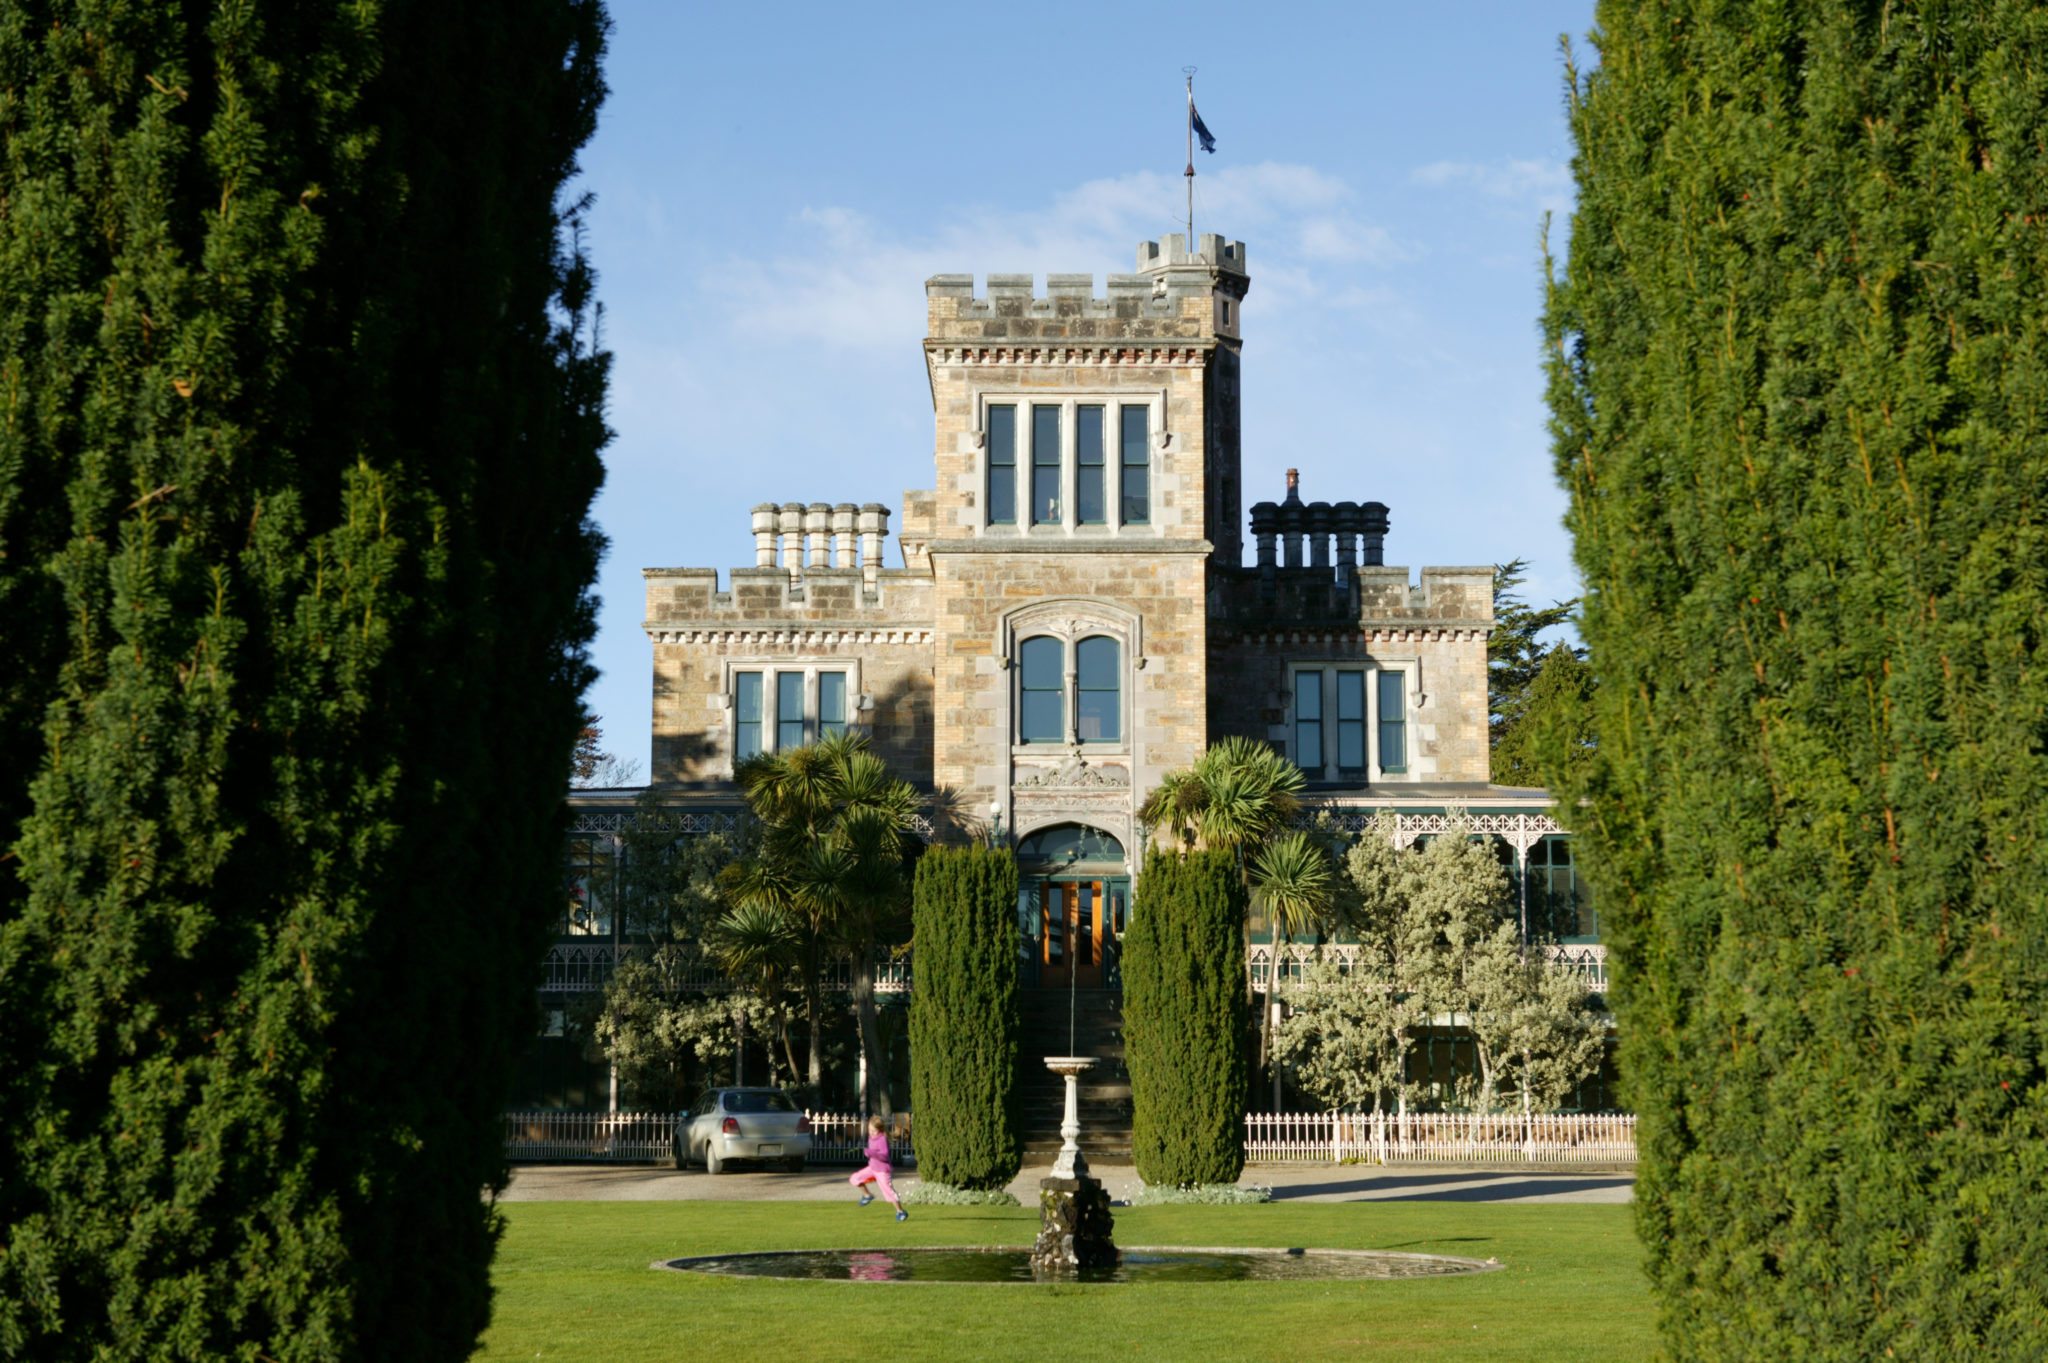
(1069, 615)
(1070, 618)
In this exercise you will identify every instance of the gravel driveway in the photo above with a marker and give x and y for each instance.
(1290, 1183)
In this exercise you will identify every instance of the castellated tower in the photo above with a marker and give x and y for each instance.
(1088, 463)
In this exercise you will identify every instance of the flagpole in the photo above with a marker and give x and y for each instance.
(1189, 71)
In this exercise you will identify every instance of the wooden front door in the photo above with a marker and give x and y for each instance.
(1075, 926)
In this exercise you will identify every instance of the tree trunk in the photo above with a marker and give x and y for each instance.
(788, 1046)
(876, 1099)
(1272, 996)
(813, 966)
(814, 1069)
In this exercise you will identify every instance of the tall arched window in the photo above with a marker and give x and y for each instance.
(1098, 688)
(1041, 680)
(1062, 703)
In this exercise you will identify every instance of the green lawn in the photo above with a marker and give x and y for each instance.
(574, 1283)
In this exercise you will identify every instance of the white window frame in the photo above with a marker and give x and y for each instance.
(770, 718)
(1330, 772)
(1069, 401)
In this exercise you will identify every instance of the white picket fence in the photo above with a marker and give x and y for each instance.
(646, 1137)
(1440, 1138)
(627, 1137)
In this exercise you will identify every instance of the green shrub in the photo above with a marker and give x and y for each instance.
(1186, 1019)
(1203, 1195)
(963, 1017)
(925, 1193)
(1800, 396)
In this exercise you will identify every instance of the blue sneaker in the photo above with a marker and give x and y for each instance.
(902, 1215)
(866, 1198)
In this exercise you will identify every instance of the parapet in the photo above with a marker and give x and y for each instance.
(1356, 598)
(1172, 297)
(820, 535)
(1325, 535)
(1215, 254)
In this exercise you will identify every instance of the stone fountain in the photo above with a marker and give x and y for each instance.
(1073, 1210)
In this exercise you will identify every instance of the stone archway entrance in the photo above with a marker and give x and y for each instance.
(1073, 903)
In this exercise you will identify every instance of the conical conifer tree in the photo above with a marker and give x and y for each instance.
(1800, 388)
(299, 428)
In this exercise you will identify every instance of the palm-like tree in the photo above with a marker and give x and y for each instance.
(1292, 877)
(835, 825)
(1236, 795)
(760, 949)
(1240, 794)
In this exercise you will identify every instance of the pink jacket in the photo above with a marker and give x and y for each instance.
(878, 1149)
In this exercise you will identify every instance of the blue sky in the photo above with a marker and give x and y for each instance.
(775, 183)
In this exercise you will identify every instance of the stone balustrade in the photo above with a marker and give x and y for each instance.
(800, 538)
(1331, 536)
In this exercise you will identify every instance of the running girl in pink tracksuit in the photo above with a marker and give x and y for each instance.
(877, 1171)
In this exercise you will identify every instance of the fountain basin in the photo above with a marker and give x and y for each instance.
(1140, 1264)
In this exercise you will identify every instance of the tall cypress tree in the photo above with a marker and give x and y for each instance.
(299, 428)
(1186, 1024)
(963, 1017)
(1800, 393)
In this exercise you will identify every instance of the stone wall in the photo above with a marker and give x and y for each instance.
(1436, 630)
(880, 633)
(1151, 598)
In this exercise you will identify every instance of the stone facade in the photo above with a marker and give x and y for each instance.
(1088, 487)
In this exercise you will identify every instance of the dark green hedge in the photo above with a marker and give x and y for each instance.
(300, 430)
(963, 1017)
(1800, 386)
(1186, 1023)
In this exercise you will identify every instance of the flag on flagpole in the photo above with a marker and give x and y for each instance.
(1208, 139)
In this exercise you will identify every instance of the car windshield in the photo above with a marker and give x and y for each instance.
(758, 1100)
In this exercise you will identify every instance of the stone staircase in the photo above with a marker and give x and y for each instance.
(1105, 1090)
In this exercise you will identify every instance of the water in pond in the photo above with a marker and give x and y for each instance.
(1145, 1264)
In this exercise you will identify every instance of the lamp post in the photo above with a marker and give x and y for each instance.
(995, 823)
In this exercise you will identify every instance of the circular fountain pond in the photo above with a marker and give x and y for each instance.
(1141, 1264)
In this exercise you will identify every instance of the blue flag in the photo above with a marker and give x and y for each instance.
(1207, 138)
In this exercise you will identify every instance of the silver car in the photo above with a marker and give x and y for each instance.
(763, 1126)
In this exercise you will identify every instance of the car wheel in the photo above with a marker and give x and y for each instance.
(675, 1152)
(712, 1163)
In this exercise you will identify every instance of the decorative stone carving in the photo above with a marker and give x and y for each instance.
(1076, 773)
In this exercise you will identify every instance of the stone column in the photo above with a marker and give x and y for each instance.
(764, 535)
(817, 525)
(1350, 524)
(843, 517)
(1265, 524)
(791, 523)
(1375, 533)
(874, 526)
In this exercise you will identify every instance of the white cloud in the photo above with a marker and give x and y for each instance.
(844, 283)
(1544, 182)
(1343, 239)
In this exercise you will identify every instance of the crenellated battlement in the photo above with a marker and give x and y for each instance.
(686, 603)
(1176, 294)
(1352, 600)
